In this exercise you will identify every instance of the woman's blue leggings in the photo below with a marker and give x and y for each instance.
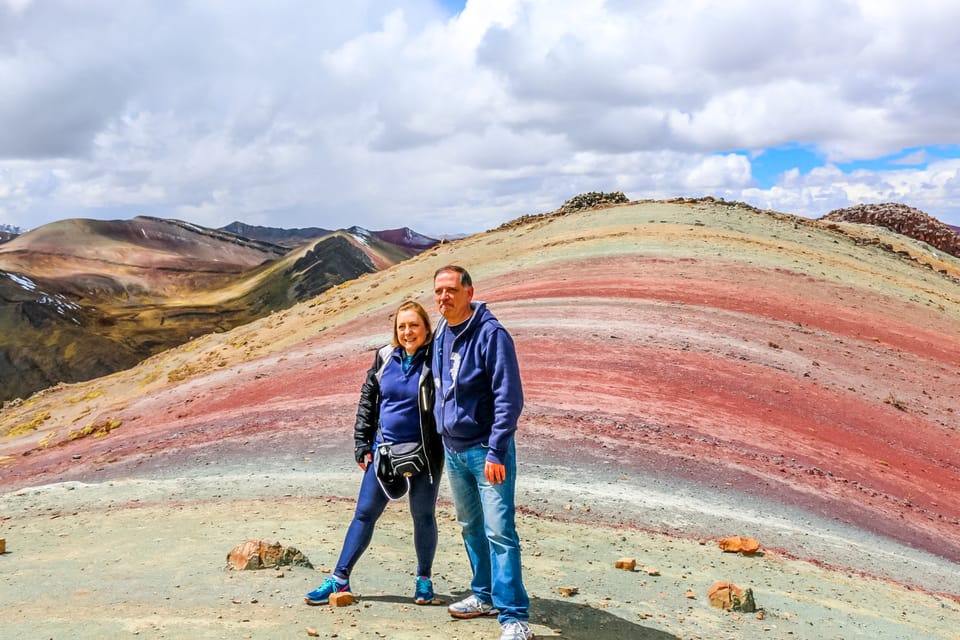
(370, 504)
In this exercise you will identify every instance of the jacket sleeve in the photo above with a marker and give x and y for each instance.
(501, 362)
(368, 409)
(431, 437)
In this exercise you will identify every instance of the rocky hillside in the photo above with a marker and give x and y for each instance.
(904, 220)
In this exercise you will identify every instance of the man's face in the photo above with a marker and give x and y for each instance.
(453, 299)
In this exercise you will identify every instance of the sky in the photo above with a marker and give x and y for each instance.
(453, 117)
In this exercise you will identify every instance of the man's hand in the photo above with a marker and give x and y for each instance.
(496, 473)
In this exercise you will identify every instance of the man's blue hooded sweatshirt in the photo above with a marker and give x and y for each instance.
(477, 379)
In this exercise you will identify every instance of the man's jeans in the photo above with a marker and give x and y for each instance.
(486, 515)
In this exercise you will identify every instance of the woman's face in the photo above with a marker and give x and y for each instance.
(411, 331)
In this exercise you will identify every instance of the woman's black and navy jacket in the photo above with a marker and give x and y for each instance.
(368, 410)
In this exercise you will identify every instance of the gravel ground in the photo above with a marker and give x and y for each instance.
(144, 557)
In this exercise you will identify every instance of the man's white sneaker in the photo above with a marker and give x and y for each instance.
(516, 630)
(472, 607)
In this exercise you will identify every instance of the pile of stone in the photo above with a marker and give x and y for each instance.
(260, 554)
(904, 220)
(730, 597)
(592, 199)
(735, 204)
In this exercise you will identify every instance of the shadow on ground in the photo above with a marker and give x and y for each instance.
(575, 621)
(569, 620)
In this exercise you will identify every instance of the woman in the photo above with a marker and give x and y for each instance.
(396, 406)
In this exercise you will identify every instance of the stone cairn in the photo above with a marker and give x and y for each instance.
(580, 202)
(592, 199)
(904, 220)
(260, 554)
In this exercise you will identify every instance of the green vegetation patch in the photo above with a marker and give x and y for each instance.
(47, 440)
(90, 395)
(182, 373)
(27, 427)
(96, 429)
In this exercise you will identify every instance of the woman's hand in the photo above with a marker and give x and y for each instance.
(363, 454)
(366, 461)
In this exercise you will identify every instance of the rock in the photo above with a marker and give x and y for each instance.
(592, 199)
(313, 633)
(691, 595)
(566, 592)
(737, 544)
(904, 220)
(728, 596)
(745, 603)
(3, 545)
(650, 571)
(342, 599)
(258, 554)
(721, 595)
(627, 564)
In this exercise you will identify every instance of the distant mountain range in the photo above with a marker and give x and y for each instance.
(403, 238)
(283, 237)
(83, 298)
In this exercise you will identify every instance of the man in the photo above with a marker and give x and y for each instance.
(478, 401)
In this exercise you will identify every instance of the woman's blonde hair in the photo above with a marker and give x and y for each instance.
(416, 306)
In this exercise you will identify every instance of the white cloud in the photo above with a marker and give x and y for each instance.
(394, 113)
(917, 157)
(932, 189)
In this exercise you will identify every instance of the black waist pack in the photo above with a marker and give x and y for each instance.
(401, 459)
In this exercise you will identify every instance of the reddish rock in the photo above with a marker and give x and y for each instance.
(342, 599)
(737, 544)
(728, 596)
(258, 554)
(627, 564)
(904, 220)
(721, 595)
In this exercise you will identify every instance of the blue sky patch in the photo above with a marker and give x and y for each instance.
(909, 158)
(770, 164)
(453, 6)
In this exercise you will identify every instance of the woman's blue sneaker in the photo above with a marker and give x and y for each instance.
(321, 595)
(423, 593)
